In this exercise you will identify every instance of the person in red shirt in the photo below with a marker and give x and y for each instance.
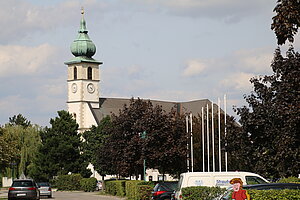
(238, 193)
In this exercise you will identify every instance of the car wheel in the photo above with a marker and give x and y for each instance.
(49, 196)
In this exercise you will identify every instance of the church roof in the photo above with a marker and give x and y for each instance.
(108, 106)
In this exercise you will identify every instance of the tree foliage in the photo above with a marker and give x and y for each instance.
(8, 151)
(59, 153)
(124, 150)
(19, 120)
(287, 20)
(19, 141)
(271, 124)
(93, 141)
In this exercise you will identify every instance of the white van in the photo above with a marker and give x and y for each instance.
(220, 179)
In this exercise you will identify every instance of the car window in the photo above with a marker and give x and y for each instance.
(168, 186)
(22, 184)
(252, 180)
(44, 184)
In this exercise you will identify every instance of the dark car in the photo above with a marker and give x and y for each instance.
(45, 189)
(267, 186)
(24, 189)
(164, 190)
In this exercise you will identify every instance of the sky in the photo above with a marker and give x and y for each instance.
(173, 50)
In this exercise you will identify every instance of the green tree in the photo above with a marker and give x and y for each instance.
(287, 20)
(22, 141)
(60, 152)
(271, 123)
(93, 141)
(8, 151)
(19, 120)
(125, 149)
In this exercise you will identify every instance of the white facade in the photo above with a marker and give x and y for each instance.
(83, 92)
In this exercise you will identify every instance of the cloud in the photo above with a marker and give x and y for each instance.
(22, 60)
(238, 81)
(20, 19)
(254, 60)
(194, 67)
(228, 10)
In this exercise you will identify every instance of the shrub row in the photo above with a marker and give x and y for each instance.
(133, 190)
(274, 194)
(88, 184)
(209, 193)
(75, 182)
(290, 180)
(201, 193)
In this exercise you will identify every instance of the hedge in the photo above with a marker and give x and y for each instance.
(88, 184)
(289, 180)
(274, 194)
(201, 193)
(145, 192)
(132, 190)
(68, 182)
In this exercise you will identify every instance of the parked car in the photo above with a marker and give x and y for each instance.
(269, 186)
(45, 189)
(164, 190)
(24, 189)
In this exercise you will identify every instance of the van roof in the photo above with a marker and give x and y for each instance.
(220, 173)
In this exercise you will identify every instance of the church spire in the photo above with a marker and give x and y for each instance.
(83, 46)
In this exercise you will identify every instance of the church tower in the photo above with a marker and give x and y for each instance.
(83, 79)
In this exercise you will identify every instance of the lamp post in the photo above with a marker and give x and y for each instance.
(143, 136)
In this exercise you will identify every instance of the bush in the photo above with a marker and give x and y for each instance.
(68, 182)
(88, 184)
(201, 193)
(289, 180)
(145, 192)
(120, 188)
(110, 187)
(132, 190)
(274, 194)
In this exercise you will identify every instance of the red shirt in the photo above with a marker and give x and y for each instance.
(239, 195)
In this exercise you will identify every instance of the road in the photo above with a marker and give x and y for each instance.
(58, 195)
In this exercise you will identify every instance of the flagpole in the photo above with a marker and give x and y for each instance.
(225, 110)
(192, 148)
(219, 128)
(213, 135)
(207, 121)
(187, 143)
(203, 159)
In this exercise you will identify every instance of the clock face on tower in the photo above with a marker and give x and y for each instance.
(74, 88)
(91, 88)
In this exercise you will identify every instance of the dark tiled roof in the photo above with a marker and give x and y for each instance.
(107, 106)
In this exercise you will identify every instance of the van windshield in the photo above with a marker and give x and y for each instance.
(252, 180)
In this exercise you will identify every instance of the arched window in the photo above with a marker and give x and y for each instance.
(75, 73)
(90, 73)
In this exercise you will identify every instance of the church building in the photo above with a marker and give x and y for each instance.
(84, 100)
(86, 104)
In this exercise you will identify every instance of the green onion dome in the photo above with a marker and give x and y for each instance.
(83, 45)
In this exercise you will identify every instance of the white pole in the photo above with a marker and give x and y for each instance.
(192, 149)
(203, 160)
(225, 110)
(213, 135)
(187, 143)
(219, 128)
(207, 121)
